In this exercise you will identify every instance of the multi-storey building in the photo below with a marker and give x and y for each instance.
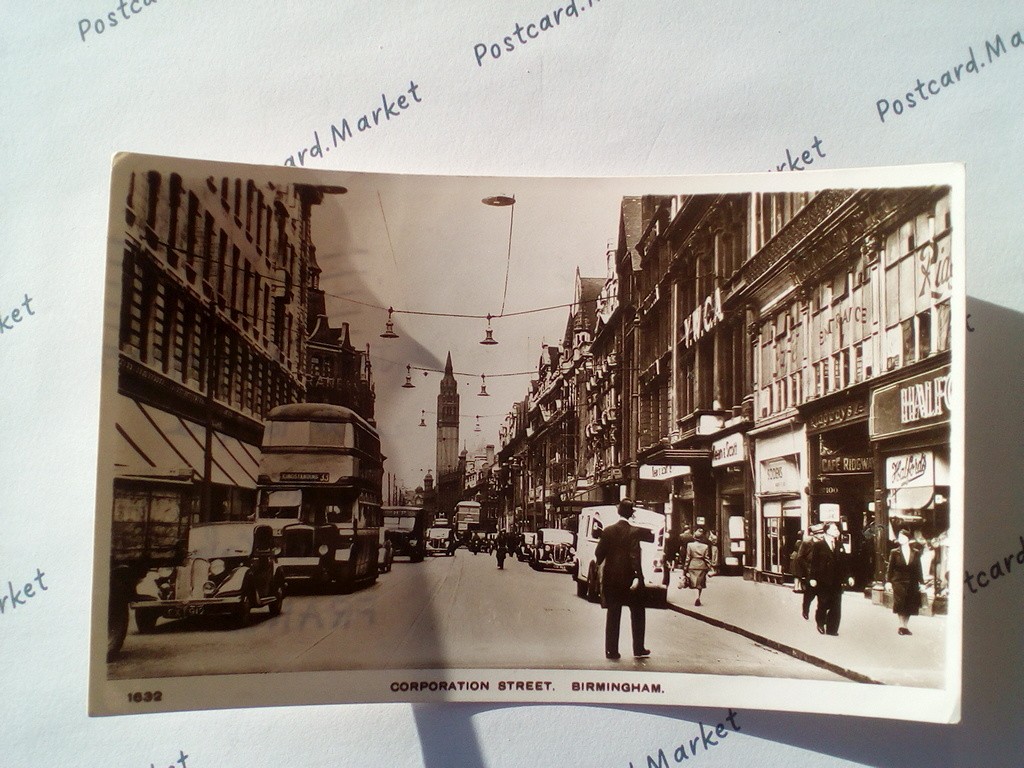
(768, 362)
(336, 372)
(852, 351)
(599, 469)
(214, 300)
(692, 369)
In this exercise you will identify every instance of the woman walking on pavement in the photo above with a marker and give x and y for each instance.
(906, 580)
(697, 564)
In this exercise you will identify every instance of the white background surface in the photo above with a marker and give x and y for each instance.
(638, 87)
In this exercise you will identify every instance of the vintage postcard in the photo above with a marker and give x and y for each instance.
(674, 440)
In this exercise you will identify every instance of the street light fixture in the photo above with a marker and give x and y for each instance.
(489, 337)
(389, 326)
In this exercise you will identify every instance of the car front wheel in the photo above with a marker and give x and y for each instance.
(278, 604)
(145, 619)
(243, 609)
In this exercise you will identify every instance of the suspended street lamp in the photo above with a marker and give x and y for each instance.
(483, 386)
(477, 428)
(389, 327)
(489, 338)
(423, 418)
(408, 378)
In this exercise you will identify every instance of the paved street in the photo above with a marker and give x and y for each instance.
(457, 612)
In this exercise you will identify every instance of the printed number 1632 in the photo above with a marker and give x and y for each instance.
(137, 697)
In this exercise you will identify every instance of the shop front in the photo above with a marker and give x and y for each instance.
(842, 481)
(909, 428)
(781, 505)
(730, 469)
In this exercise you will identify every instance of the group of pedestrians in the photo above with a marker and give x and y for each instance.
(821, 569)
(820, 565)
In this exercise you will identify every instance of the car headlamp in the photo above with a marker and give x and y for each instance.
(165, 573)
(324, 549)
(216, 567)
(209, 588)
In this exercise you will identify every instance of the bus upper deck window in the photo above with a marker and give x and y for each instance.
(328, 433)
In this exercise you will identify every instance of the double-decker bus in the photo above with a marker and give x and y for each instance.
(467, 517)
(320, 491)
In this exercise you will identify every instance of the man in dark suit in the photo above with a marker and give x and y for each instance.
(622, 582)
(829, 573)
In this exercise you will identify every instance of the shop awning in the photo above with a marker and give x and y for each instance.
(152, 442)
(140, 450)
(677, 456)
(910, 499)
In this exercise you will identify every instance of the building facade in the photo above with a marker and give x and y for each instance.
(769, 361)
(212, 329)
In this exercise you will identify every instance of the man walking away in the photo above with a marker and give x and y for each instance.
(622, 582)
(802, 565)
(829, 574)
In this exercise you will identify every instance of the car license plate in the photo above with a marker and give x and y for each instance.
(194, 610)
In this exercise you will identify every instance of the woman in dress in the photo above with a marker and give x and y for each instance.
(905, 579)
(697, 564)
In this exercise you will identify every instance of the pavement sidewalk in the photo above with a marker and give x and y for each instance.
(867, 649)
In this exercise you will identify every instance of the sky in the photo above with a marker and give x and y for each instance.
(430, 244)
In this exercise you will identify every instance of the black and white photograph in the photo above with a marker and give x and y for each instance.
(667, 440)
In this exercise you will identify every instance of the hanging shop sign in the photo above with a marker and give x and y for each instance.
(838, 457)
(781, 475)
(706, 316)
(910, 470)
(728, 450)
(662, 471)
(917, 403)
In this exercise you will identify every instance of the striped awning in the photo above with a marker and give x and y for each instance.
(154, 443)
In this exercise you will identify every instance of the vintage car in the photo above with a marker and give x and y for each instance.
(230, 568)
(525, 552)
(555, 550)
(439, 541)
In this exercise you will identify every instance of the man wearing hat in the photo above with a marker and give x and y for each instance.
(622, 582)
(829, 574)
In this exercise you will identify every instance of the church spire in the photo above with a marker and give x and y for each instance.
(448, 370)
